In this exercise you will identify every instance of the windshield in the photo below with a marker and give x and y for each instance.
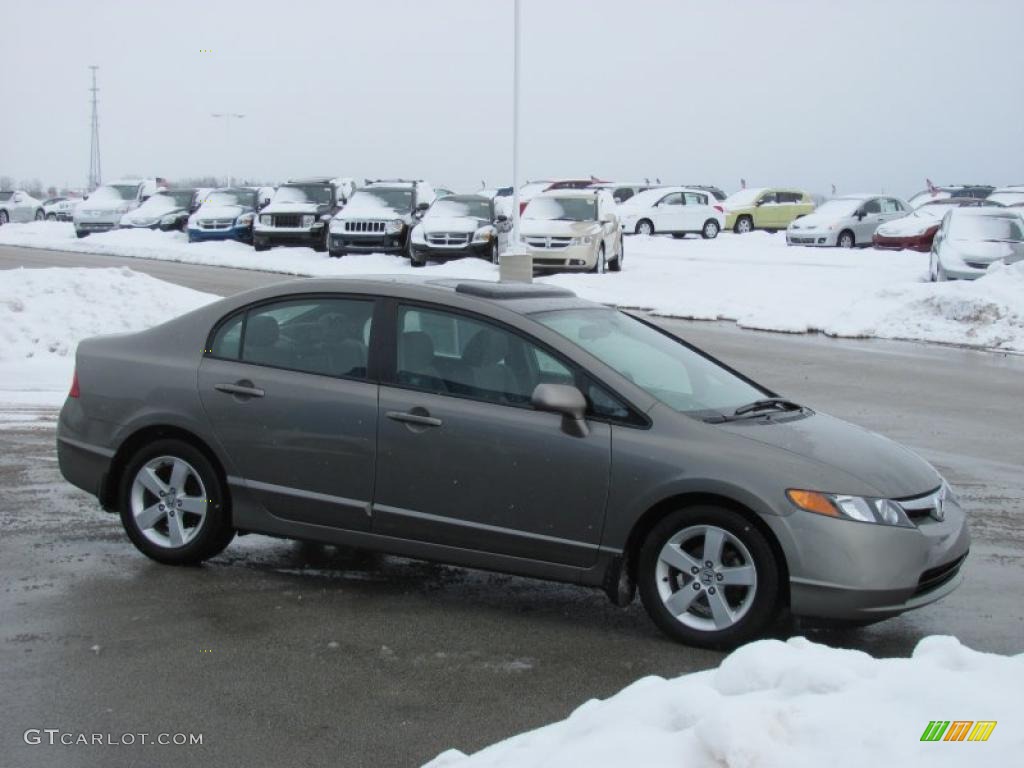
(390, 198)
(924, 197)
(115, 192)
(319, 194)
(934, 210)
(562, 209)
(743, 198)
(168, 200)
(840, 207)
(454, 208)
(244, 198)
(660, 365)
(1003, 229)
(1007, 198)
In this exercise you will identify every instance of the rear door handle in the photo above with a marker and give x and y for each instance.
(242, 389)
(414, 418)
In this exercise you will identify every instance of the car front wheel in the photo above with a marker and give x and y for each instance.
(744, 224)
(645, 227)
(600, 265)
(846, 239)
(708, 577)
(173, 505)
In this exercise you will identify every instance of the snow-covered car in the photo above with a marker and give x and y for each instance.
(916, 230)
(225, 214)
(298, 214)
(674, 210)
(970, 240)
(167, 210)
(379, 217)
(573, 230)
(764, 208)
(457, 226)
(845, 222)
(933, 193)
(1008, 196)
(18, 206)
(59, 208)
(103, 209)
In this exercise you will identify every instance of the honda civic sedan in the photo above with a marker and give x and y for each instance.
(509, 427)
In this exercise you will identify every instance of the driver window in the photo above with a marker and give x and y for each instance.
(872, 206)
(768, 198)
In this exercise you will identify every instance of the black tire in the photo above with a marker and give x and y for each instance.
(260, 245)
(335, 254)
(81, 234)
(40, 214)
(642, 224)
(848, 236)
(710, 229)
(3, 218)
(51, 217)
(601, 263)
(216, 531)
(417, 261)
(320, 245)
(616, 266)
(743, 225)
(765, 606)
(678, 235)
(495, 253)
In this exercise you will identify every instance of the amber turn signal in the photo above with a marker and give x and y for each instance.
(813, 501)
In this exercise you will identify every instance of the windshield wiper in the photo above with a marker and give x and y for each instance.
(769, 403)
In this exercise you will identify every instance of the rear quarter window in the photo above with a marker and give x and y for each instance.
(227, 342)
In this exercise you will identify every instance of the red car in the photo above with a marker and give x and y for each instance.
(917, 230)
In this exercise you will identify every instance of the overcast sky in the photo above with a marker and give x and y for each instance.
(867, 95)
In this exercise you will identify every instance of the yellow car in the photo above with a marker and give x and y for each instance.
(765, 208)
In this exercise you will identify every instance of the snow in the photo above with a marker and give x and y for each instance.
(755, 280)
(793, 704)
(44, 313)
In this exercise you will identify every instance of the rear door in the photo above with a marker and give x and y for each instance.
(288, 391)
(697, 210)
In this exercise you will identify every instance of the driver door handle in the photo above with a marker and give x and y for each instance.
(414, 418)
(241, 389)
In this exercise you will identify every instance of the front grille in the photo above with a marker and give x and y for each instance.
(364, 226)
(548, 242)
(216, 223)
(802, 240)
(977, 264)
(549, 262)
(934, 578)
(287, 220)
(448, 238)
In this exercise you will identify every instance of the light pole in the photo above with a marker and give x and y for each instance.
(227, 133)
(516, 263)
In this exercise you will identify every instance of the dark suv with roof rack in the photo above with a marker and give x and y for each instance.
(297, 214)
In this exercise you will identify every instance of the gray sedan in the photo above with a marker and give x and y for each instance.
(509, 427)
(846, 222)
(970, 240)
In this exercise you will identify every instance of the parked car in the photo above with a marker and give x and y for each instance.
(916, 230)
(621, 191)
(104, 207)
(457, 226)
(512, 427)
(846, 222)
(167, 210)
(674, 210)
(380, 217)
(59, 208)
(225, 214)
(574, 230)
(19, 206)
(1008, 196)
(933, 193)
(298, 214)
(765, 208)
(970, 240)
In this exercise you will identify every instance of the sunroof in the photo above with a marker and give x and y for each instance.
(489, 290)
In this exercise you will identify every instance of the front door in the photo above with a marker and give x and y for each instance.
(464, 460)
(670, 213)
(285, 386)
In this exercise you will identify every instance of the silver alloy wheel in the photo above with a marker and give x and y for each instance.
(168, 501)
(710, 230)
(744, 225)
(645, 228)
(706, 578)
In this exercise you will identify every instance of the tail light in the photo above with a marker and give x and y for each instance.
(719, 208)
(74, 386)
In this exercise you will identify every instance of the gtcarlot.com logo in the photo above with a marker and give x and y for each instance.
(57, 737)
(958, 730)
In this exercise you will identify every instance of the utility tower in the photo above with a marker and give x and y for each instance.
(95, 175)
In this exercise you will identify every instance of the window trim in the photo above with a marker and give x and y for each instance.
(637, 419)
(372, 373)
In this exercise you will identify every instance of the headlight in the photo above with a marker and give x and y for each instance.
(307, 220)
(244, 220)
(858, 508)
(336, 225)
(265, 220)
(418, 235)
(584, 240)
(483, 235)
(394, 226)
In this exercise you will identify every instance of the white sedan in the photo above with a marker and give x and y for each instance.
(17, 205)
(674, 210)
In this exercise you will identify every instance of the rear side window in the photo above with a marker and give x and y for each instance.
(692, 198)
(622, 194)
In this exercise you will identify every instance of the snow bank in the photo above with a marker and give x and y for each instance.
(755, 280)
(44, 313)
(787, 705)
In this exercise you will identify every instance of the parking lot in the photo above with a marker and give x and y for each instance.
(286, 653)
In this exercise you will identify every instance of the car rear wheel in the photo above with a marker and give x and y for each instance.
(600, 265)
(708, 577)
(173, 505)
(845, 239)
(744, 224)
(645, 227)
(710, 230)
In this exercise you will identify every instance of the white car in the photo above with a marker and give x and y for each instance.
(59, 208)
(103, 209)
(845, 222)
(673, 210)
(17, 206)
(573, 229)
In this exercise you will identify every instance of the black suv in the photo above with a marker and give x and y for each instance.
(297, 214)
(379, 217)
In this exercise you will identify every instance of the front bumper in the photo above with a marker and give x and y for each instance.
(574, 258)
(921, 243)
(817, 239)
(139, 226)
(841, 569)
(244, 234)
(427, 252)
(95, 225)
(374, 243)
(288, 236)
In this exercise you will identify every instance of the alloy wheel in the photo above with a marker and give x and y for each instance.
(168, 501)
(744, 225)
(710, 230)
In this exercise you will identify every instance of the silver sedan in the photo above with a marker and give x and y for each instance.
(972, 239)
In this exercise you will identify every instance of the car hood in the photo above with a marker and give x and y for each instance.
(543, 228)
(291, 208)
(817, 221)
(908, 226)
(370, 213)
(894, 472)
(220, 211)
(982, 250)
(453, 224)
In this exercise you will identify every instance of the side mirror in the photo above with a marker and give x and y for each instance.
(566, 400)
(860, 214)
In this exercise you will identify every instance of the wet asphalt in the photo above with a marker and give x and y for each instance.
(283, 653)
